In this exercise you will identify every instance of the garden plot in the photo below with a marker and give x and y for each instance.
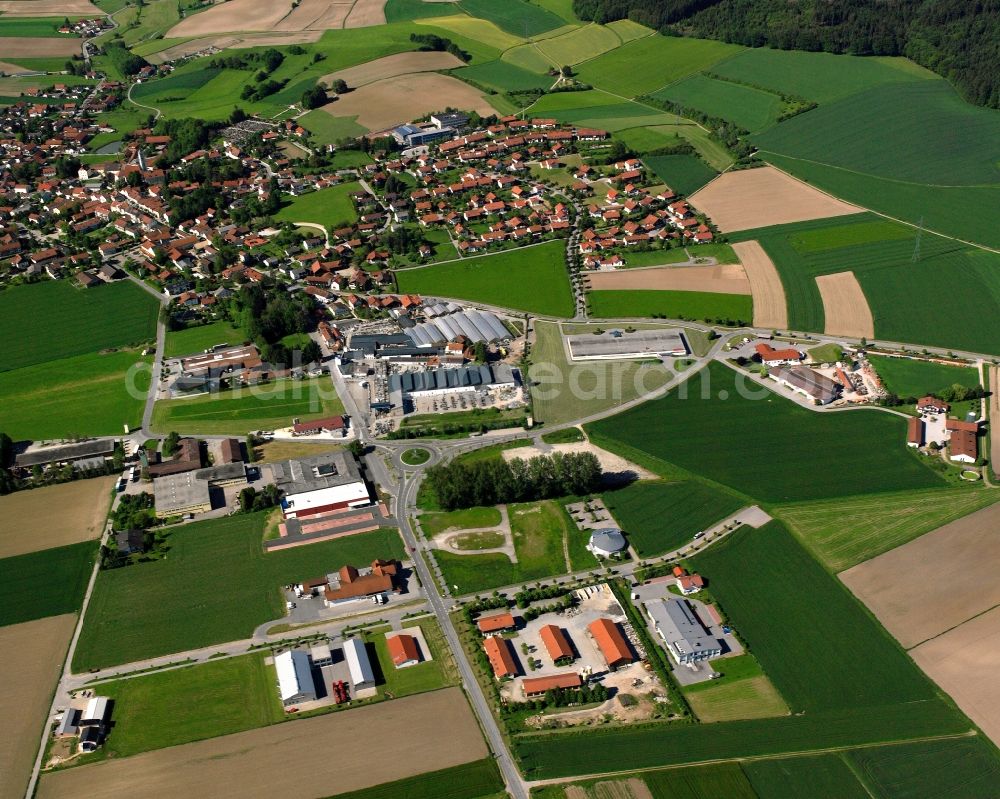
(753, 198)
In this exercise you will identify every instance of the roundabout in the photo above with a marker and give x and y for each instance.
(416, 456)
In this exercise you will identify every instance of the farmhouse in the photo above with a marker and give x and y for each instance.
(931, 404)
(93, 723)
(963, 445)
(331, 424)
(682, 634)
(496, 623)
(610, 640)
(915, 432)
(500, 657)
(351, 583)
(187, 458)
(319, 484)
(816, 387)
(358, 664)
(537, 686)
(606, 542)
(556, 643)
(772, 357)
(295, 682)
(404, 650)
(687, 583)
(191, 491)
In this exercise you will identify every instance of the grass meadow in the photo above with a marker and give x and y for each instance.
(328, 129)
(846, 531)
(663, 59)
(46, 583)
(752, 109)
(532, 279)
(193, 340)
(407, 10)
(723, 779)
(239, 411)
(517, 17)
(825, 776)
(466, 519)
(539, 529)
(89, 320)
(230, 694)
(33, 27)
(634, 303)
(215, 585)
(474, 780)
(331, 207)
(822, 671)
(661, 517)
(578, 45)
(503, 76)
(82, 395)
(914, 378)
(684, 174)
(766, 446)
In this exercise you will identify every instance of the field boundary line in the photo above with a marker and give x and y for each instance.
(954, 626)
(415, 267)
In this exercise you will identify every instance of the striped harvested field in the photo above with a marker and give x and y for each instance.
(845, 306)
(769, 306)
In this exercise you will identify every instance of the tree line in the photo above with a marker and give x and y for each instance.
(495, 481)
(959, 41)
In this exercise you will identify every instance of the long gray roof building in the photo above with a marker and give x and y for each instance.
(682, 634)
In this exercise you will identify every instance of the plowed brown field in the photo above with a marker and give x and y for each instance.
(769, 306)
(722, 279)
(392, 65)
(845, 306)
(39, 46)
(366, 13)
(49, 8)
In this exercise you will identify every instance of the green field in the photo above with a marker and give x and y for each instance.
(231, 695)
(628, 30)
(897, 132)
(428, 675)
(328, 129)
(955, 769)
(406, 10)
(328, 207)
(182, 82)
(685, 174)
(240, 411)
(503, 76)
(465, 519)
(816, 776)
(33, 27)
(821, 77)
(216, 585)
(634, 303)
(945, 298)
(578, 45)
(568, 435)
(85, 395)
(752, 109)
(528, 279)
(663, 60)
(482, 32)
(844, 532)
(569, 101)
(193, 340)
(475, 780)
(661, 517)
(514, 16)
(752, 440)
(92, 319)
(46, 583)
(538, 529)
(964, 212)
(562, 392)
(907, 377)
(822, 672)
(700, 782)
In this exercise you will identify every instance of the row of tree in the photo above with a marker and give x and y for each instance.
(494, 481)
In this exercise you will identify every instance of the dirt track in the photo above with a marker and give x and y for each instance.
(234, 42)
(49, 8)
(366, 13)
(722, 279)
(33, 653)
(935, 582)
(39, 46)
(53, 516)
(965, 663)
(845, 306)
(387, 103)
(769, 306)
(320, 756)
(995, 418)
(752, 198)
(392, 65)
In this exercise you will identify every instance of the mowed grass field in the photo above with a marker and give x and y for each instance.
(517, 17)
(239, 411)
(328, 129)
(750, 108)
(663, 59)
(764, 445)
(945, 298)
(89, 320)
(503, 76)
(216, 584)
(817, 776)
(230, 694)
(475, 780)
(46, 583)
(91, 394)
(578, 45)
(328, 207)
(194, 340)
(844, 532)
(660, 517)
(600, 385)
(625, 304)
(914, 378)
(529, 279)
(538, 529)
(685, 174)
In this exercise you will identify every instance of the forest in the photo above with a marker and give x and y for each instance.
(959, 41)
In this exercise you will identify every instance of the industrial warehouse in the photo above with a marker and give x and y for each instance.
(616, 344)
(317, 485)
